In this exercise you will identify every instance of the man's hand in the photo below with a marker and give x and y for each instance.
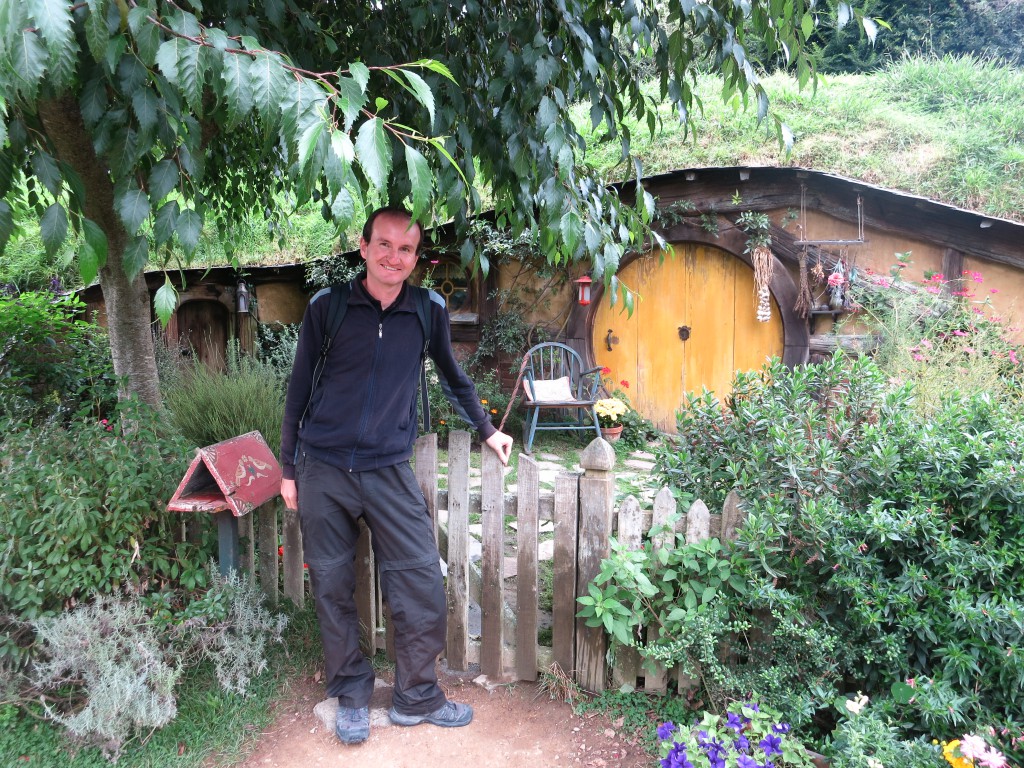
(290, 494)
(501, 444)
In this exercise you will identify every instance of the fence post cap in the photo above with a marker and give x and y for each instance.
(599, 456)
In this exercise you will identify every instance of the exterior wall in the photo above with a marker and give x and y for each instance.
(1001, 294)
(553, 308)
(280, 302)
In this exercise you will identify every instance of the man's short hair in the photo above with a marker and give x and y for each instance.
(396, 210)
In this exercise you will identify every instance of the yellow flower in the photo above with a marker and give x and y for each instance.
(483, 402)
(949, 750)
(609, 410)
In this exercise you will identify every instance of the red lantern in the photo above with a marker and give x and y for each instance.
(583, 290)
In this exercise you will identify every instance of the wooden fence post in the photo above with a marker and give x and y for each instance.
(294, 577)
(630, 536)
(664, 514)
(528, 482)
(563, 609)
(425, 458)
(597, 496)
(492, 599)
(698, 528)
(457, 556)
(267, 548)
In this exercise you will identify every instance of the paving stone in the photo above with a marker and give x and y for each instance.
(639, 464)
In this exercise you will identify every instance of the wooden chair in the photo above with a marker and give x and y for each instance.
(554, 381)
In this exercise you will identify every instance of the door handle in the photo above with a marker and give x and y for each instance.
(608, 340)
(684, 332)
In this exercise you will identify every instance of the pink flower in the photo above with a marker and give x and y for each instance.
(917, 357)
(605, 371)
(1013, 357)
(959, 333)
(992, 758)
(993, 290)
(624, 383)
(835, 280)
(972, 747)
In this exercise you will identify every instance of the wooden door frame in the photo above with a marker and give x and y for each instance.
(731, 240)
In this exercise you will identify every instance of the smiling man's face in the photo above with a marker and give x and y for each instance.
(390, 254)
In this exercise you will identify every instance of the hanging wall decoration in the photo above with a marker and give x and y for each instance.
(804, 298)
(762, 258)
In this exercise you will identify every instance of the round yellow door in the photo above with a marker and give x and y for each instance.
(693, 326)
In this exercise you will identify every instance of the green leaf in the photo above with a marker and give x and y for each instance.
(268, 82)
(237, 92)
(96, 239)
(421, 91)
(902, 693)
(29, 59)
(163, 179)
(420, 179)
(166, 222)
(47, 171)
(88, 263)
(691, 600)
(145, 104)
(343, 208)
(360, 73)
(373, 151)
(53, 227)
(189, 228)
(380, 102)
(308, 141)
(6, 224)
(167, 59)
(133, 208)
(147, 34)
(96, 31)
(53, 19)
(165, 302)
(136, 255)
(351, 98)
(807, 24)
(191, 74)
(435, 66)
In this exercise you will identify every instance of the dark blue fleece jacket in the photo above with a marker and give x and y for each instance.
(363, 415)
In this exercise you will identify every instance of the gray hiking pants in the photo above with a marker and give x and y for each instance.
(331, 501)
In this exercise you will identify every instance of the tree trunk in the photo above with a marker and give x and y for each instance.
(127, 300)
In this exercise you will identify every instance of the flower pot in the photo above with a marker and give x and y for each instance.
(611, 434)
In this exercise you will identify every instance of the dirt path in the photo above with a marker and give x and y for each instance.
(513, 727)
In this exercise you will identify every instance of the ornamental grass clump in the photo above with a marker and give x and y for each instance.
(748, 737)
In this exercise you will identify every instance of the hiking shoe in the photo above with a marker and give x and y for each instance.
(450, 715)
(352, 726)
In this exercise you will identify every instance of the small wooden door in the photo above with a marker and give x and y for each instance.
(203, 332)
(694, 325)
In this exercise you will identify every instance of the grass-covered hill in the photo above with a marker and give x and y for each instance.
(948, 129)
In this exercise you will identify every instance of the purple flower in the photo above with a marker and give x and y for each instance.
(742, 744)
(771, 744)
(734, 721)
(676, 758)
(665, 730)
(781, 728)
(745, 761)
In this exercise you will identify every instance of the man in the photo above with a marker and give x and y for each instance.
(345, 448)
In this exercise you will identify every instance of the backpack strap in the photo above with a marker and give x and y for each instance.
(335, 315)
(422, 296)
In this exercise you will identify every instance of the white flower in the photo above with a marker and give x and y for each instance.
(873, 763)
(857, 704)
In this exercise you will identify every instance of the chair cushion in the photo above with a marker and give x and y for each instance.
(549, 390)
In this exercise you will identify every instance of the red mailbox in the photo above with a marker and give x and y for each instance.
(229, 479)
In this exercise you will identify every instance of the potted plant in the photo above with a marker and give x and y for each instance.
(610, 411)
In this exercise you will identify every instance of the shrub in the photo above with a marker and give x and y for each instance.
(83, 511)
(896, 532)
(111, 651)
(866, 737)
(51, 362)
